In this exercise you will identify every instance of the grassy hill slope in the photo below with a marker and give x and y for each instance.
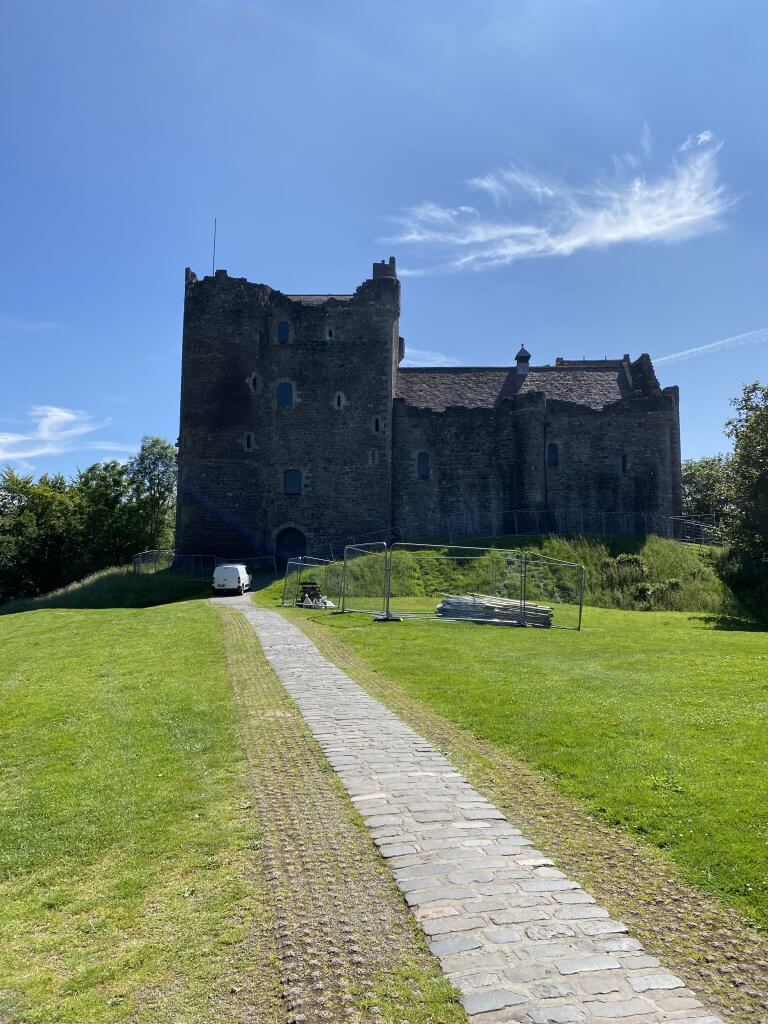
(128, 885)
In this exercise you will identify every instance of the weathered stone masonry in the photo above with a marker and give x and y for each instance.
(305, 393)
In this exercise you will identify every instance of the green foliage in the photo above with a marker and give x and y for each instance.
(747, 524)
(706, 486)
(54, 531)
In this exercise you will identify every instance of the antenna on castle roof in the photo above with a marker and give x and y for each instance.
(213, 260)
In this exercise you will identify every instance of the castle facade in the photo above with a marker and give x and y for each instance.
(300, 430)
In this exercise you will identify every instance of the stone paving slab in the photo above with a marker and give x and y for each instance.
(522, 943)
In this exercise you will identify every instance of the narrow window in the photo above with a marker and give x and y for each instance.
(284, 395)
(423, 466)
(249, 441)
(623, 463)
(292, 481)
(283, 332)
(376, 425)
(553, 457)
(330, 332)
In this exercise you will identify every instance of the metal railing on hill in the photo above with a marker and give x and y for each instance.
(199, 567)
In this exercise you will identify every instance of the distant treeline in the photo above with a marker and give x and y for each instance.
(54, 531)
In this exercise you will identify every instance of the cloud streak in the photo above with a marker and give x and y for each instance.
(737, 341)
(19, 325)
(53, 431)
(682, 201)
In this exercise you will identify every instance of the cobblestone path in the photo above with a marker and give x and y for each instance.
(348, 949)
(521, 941)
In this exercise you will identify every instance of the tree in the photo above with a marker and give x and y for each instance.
(151, 475)
(108, 534)
(705, 486)
(39, 534)
(747, 523)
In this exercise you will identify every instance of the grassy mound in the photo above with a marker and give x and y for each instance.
(118, 587)
(630, 573)
(640, 573)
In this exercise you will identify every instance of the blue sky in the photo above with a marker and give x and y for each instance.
(585, 177)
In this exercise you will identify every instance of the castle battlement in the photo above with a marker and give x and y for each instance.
(298, 427)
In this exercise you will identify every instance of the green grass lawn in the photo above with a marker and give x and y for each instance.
(129, 888)
(656, 720)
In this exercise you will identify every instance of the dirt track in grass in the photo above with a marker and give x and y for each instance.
(712, 947)
(349, 949)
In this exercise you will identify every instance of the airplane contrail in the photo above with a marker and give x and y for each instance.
(750, 338)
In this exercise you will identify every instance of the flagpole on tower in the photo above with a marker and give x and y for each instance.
(213, 261)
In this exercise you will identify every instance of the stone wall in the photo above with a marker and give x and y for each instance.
(235, 442)
(357, 448)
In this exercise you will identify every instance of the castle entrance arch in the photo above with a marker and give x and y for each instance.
(289, 543)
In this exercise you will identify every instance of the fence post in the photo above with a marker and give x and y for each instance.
(387, 581)
(581, 595)
(523, 587)
(343, 600)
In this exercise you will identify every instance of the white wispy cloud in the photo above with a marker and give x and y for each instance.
(52, 431)
(21, 325)
(683, 200)
(698, 139)
(750, 338)
(424, 357)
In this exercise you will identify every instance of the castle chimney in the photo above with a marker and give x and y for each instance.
(522, 359)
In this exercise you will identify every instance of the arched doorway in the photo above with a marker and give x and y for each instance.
(289, 543)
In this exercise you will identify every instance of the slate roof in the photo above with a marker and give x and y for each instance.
(593, 384)
(318, 300)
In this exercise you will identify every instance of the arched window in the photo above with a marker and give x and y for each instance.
(553, 458)
(423, 466)
(284, 395)
(283, 332)
(292, 483)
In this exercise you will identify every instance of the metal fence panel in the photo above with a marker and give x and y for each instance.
(323, 572)
(557, 586)
(364, 578)
(427, 580)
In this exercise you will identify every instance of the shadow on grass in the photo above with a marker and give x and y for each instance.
(733, 623)
(118, 587)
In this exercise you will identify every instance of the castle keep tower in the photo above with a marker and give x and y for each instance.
(299, 429)
(286, 415)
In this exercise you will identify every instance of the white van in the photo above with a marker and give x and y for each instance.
(232, 578)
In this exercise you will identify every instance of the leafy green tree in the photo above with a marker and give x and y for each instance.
(706, 486)
(108, 533)
(54, 531)
(39, 534)
(747, 524)
(151, 476)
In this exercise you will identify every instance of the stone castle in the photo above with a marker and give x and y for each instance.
(301, 431)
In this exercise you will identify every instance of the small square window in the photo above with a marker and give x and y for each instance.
(292, 482)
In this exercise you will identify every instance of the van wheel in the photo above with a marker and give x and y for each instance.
(240, 589)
